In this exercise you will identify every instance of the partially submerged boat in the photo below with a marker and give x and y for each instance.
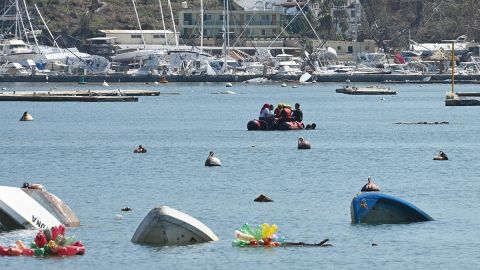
(263, 125)
(33, 209)
(369, 90)
(380, 208)
(167, 226)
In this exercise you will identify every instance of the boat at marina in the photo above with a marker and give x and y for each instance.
(369, 90)
(15, 50)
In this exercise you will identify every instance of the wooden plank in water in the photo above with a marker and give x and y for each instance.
(55, 98)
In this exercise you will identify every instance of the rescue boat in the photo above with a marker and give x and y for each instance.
(262, 125)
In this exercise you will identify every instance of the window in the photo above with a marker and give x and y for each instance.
(136, 36)
(339, 48)
(367, 48)
(263, 32)
(352, 14)
(158, 36)
(220, 17)
(207, 17)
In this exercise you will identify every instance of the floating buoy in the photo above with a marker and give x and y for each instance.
(303, 144)
(140, 150)
(26, 117)
(441, 156)
(263, 198)
(126, 209)
(105, 83)
(295, 86)
(284, 85)
(370, 186)
(212, 160)
(228, 84)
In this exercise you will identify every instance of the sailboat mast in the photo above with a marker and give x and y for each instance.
(163, 22)
(46, 26)
(173, 23)
(355, 52)
(225, 33)
(201, 25)
(30, 22)
(139, 25)
(453, 66)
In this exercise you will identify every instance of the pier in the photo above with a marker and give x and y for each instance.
(56, 98)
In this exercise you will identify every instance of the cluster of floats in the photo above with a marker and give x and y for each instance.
(32, 207)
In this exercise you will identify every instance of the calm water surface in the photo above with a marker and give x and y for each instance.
(82, 152)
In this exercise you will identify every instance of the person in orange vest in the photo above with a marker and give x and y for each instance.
(285, 114)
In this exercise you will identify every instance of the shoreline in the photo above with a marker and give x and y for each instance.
(341, 78)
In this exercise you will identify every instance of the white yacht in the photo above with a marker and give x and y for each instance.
(285, 64)
(15, 50)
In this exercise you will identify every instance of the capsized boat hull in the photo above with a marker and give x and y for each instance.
(18, 210)
(380, 208)
(167, 226)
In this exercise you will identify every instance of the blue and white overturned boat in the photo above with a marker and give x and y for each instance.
(380, 208)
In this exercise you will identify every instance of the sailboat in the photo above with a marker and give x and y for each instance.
(453, 99)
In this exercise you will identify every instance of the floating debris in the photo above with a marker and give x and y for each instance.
(423, 123)
(263, 198)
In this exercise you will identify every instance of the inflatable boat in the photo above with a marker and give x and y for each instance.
(262, 125)
(380, 208)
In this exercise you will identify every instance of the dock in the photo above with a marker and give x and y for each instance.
(95, 92)
(462, 102)
(468, 94)
(370, 90)
(56, 98)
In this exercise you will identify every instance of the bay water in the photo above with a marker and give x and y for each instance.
(82, 152)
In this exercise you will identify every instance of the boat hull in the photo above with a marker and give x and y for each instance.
(167, 226)
(18, 210)
(262, 125)
(379, 208)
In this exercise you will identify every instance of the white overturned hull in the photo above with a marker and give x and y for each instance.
(18, 210)
(55, 206)
(166, 226)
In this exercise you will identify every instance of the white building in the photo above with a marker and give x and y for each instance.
(134, 37)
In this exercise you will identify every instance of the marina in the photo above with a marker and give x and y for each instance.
(334, 181)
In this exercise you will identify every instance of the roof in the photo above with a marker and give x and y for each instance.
(102, 38)
(114, 31)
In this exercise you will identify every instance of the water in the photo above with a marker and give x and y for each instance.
(82, 152)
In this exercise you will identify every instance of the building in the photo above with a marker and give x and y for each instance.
(346, 19)
(134, 37)
(245, 23)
